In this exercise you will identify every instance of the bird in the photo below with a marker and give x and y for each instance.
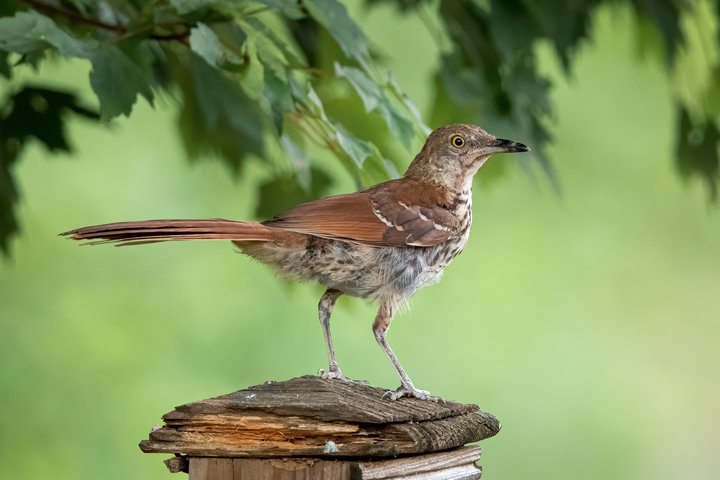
(381, 244)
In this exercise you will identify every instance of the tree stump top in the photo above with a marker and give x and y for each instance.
(328, 400)
(312, 417)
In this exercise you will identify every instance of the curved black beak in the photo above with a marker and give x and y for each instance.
(508, 146)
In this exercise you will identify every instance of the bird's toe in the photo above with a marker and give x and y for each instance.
(409, 391)
(336, 374)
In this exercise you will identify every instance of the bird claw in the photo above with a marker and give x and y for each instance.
(409, 391)
(336, 374)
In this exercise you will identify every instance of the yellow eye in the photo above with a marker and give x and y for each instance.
(457, 141)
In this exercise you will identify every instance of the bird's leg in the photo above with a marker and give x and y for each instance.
(380, 328)
(325, 308)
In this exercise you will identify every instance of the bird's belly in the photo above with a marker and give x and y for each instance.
(377, 273)
(395, 273)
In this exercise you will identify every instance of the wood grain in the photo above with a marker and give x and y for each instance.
(298, 417)
(328, 400)
(456, 464)
(437, 462)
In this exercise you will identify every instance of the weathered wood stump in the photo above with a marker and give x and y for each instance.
(310, 428)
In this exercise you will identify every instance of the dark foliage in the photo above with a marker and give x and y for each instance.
(254, 77)
(31, 113)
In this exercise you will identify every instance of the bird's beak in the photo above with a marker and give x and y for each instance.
(505, 146)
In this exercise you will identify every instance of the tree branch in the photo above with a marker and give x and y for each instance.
(75, 16)
(69, 14)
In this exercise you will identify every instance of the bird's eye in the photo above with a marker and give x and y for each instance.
(457, 141)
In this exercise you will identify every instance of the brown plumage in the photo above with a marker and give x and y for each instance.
(383, 243)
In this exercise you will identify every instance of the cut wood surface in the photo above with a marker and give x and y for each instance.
(208, 468)
(312, 417)
(454, 464)
(457, 464)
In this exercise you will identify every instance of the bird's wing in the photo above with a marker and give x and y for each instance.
(342, 217)
(390, 214)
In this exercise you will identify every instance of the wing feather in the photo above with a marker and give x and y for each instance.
(396, 213)
(342, 217)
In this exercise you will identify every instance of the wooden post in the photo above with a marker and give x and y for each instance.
(311, 429)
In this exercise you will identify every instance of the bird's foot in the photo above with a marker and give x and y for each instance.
(410, 391)
(335, 373)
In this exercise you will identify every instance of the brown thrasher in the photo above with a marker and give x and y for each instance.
(383, 243)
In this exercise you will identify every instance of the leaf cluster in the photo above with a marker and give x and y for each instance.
(31, 113)
(252, 79)
(489, 73)
(278, 79)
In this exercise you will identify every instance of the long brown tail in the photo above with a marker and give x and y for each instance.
(150, 231)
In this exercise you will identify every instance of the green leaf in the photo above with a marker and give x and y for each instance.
(84, 6)
(514, 98)
(278, 95)
(8, 197)
(18, 33)
(697, 151)
(186, 6)
(713, 91)
(32, 59)
(332, 15)
(717, 15)
(374, 99)
(290, 8)
(8, 8)
(391, 168)
(409, 104)
(31, 113)
(516, 25)
(284, 192)
(217, 116)
(306, 35)
(4, 67)
(471, 71)
(120, 71)
(377, 168)
(119, 74)
(30, 31)
(368, 90)
(206, 43)
(398, 124)
(512, 27)
(316, 105)
(252, 76)
(299, 161)
(356, 148)
(222, 46)
(270, 48)
(665, 15)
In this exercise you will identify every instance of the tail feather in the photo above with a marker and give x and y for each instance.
(151, 231)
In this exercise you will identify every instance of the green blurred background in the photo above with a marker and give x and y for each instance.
(587, 322)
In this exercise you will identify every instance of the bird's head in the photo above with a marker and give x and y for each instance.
(453, 154)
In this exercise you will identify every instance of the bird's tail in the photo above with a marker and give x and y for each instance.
(150, 231)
